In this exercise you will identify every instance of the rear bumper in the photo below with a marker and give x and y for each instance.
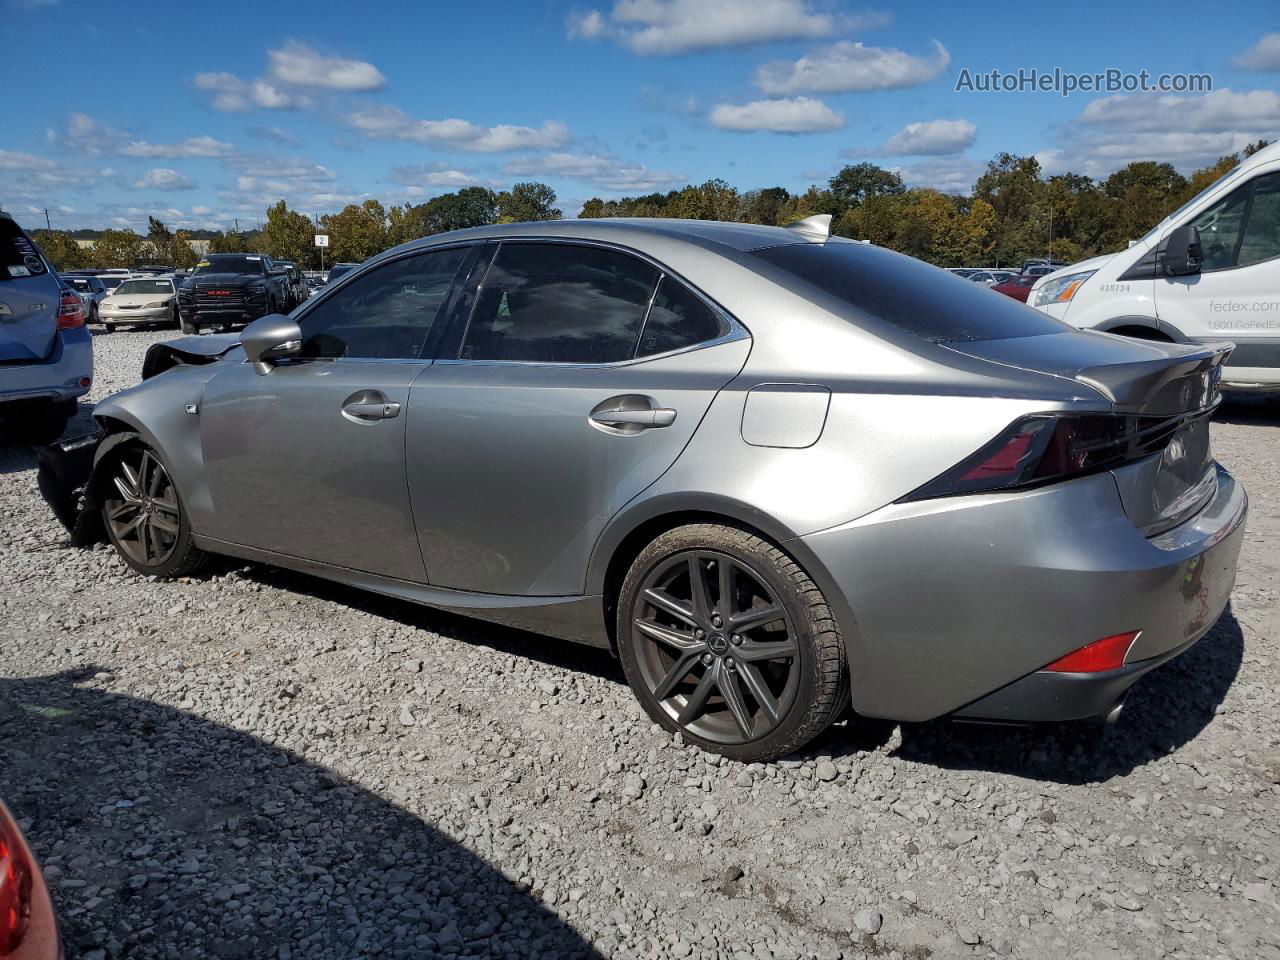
(55, 378)
(954, 601)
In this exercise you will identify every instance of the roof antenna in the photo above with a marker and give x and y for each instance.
(817, 227)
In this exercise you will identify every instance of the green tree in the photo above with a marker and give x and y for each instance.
(184, 255)
(61, 249)
(229, 241)
(1147, 192)
(161, 239)
(357, 232)
(527, 202)
(765, 206)
(469, 207)
(289, 235)
(858, 182)
(119, 248)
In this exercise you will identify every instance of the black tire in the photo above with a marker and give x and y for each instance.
(143, 514)
(43, 423)
(189, 327)
(702, 680)
(108, 328)
(176, 320)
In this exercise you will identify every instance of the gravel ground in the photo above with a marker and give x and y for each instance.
(258, 764)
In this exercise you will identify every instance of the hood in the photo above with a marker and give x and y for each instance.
(135, 299)
(226, 279)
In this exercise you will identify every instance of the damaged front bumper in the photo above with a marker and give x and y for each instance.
(67, 477)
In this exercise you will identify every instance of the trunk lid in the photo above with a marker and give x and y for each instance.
(29, 294)
(1168, 392)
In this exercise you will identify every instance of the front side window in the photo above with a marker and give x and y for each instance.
(1261, 238)
(559, 303)
(388, 313)
(1220, 227)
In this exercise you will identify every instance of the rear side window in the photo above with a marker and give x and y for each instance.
(678, 319)
(18, 255)
(559, 303)
(909, 294)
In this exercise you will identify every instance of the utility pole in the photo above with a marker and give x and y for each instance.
(47, 225)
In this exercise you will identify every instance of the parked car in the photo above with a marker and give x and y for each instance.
(231, 289)
(776, 471)
(298, 290)
(1208, 272)
(112, 279)
(965, 272)
(981, 276)
(141, 301)
(28, 926)
(337, 270)
(1041, 262)
(92, 292)
(46, 352)
(1016, 286)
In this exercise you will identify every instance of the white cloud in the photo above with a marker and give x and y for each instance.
(191, 147)
(795, 115)
(12, 160)
(282, 168)
(438, 175)
(947, 175)
(600, 170)
(849, 66)
(1219, 111)
(275, 135)
(162, 178)
(666, 27)
(83, 134)
(392, 123)
(231, 94)
(933, 138)
(1188, 131)
(298, 65)
(1263, 56)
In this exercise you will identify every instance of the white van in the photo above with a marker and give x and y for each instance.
(1210, 271)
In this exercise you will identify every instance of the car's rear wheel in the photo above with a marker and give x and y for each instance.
(144, 516)
(724, 638)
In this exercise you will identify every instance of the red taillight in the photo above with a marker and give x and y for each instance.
(1046, 447)
(70, 311)
(1105, 654)
(15, 887)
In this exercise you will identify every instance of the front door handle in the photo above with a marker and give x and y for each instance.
(369, 405)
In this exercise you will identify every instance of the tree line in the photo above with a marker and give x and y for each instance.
(1013, 212)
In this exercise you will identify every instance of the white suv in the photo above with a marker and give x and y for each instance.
(1210, 271)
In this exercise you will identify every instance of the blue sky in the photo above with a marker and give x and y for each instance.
(204, 113)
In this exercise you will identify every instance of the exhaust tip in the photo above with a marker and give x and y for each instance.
(1113, 715)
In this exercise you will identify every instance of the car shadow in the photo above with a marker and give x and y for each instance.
(169, 835)
(1165, 710)
(1261, 409)
(16, 456)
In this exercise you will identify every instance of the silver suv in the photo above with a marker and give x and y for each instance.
(46, 352)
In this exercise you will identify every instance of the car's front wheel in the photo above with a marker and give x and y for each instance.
(144, 516)
(724, 638)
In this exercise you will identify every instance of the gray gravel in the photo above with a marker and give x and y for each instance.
(258, 764)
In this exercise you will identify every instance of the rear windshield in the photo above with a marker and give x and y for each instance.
(79, 284)
(908, 294)
(18, 255)
(144, 286)
(231, 264)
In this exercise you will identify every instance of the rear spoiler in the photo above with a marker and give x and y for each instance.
(1163, 388)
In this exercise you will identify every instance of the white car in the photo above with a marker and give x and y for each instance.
(1209, 272)
(141, 300)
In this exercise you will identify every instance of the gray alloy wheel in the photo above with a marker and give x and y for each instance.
(144, 516)
(724, 638)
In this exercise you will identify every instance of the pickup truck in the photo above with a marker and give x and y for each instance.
(231, 289)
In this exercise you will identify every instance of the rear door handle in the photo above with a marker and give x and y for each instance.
(655, 417)
(369, 405)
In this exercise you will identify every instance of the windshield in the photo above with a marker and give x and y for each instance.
(78, 283)
(112, 282)
(907, 293)
(144, 286)
(1177, 214)
(231, 263)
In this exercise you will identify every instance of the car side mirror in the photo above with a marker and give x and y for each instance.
(270, 339)
(1182, 252)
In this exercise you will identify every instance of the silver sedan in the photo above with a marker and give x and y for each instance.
(779, 474)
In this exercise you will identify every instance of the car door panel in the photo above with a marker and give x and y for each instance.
(290, 473)
(511, 481)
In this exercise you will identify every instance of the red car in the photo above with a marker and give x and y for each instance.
(28, 929)
(1017, 287)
